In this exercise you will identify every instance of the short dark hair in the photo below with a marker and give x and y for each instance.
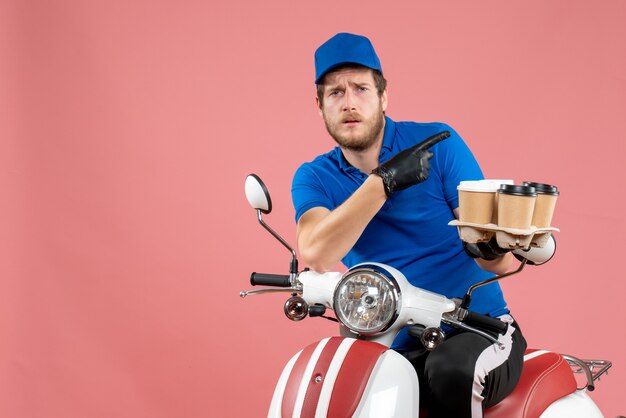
(379, 81)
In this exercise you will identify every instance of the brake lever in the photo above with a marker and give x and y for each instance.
(269, 290)
(452, 321)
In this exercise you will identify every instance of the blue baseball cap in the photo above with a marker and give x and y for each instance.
(342, 49)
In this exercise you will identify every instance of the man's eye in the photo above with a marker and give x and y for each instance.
(334, 93)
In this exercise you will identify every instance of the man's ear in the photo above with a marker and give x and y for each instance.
(383, 100)
(319, 106)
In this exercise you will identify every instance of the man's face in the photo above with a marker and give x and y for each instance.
(352, 109)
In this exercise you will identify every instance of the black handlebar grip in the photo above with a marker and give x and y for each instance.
(276, 280)
(432, 140)
(486, 323)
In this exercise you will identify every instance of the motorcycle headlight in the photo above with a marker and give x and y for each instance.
(367, 300)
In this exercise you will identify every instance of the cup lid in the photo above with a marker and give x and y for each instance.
(543, 188)
(487, 185)
(517, 190)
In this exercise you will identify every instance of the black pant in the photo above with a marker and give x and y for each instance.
(468, 373)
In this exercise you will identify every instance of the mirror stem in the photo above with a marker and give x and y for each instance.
(468, 297)
(293, 267)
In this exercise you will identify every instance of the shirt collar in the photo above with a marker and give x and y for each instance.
(343, 163)
(389, 136)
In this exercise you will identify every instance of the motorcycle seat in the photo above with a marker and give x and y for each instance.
(545, 378)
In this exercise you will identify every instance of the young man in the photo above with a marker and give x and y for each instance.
(376, 197)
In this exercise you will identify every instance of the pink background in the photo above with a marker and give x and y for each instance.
(127, 129)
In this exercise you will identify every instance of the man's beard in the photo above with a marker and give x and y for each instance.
(373, 128)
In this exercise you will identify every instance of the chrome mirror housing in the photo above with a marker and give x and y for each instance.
(257, 194)
(537, 256)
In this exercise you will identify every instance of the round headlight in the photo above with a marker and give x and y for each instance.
(367, 299)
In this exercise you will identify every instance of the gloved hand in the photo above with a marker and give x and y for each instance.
(486, 250)
(408, 167)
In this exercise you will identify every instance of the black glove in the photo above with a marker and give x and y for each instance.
(485, 250)
(410, 166)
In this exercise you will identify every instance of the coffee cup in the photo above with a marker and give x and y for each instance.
(516, 206)
(544, 206)
(477, 200)
(497, 184)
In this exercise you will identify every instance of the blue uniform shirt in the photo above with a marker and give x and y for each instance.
(411, 231)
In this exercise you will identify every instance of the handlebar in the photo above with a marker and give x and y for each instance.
(264, 279)
(486, 323)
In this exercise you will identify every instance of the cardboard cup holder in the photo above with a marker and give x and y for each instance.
(509, 238)
(518, 216)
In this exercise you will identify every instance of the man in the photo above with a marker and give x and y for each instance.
(376, 197)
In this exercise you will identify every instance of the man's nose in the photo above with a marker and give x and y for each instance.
(348, 101)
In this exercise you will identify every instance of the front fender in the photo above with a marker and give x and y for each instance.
(345, 377)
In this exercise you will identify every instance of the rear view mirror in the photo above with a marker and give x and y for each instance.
(257, 194)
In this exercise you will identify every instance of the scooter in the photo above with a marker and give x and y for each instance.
(356, 374)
